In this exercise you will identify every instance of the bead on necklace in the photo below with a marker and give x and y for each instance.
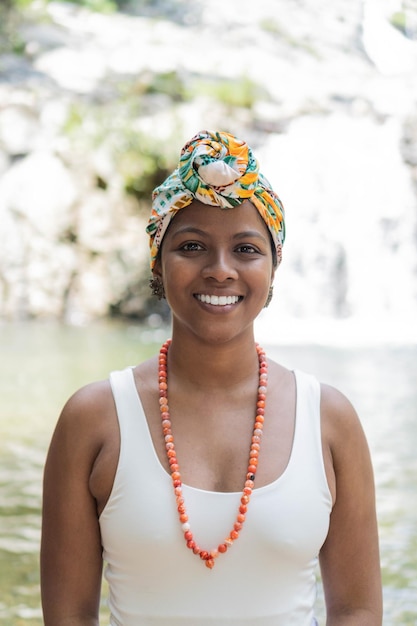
(209, 556)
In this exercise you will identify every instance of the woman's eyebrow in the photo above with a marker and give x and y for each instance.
(246, 234)
(249, 234)
(189, 229)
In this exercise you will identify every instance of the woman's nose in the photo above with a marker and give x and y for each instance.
(220, 266)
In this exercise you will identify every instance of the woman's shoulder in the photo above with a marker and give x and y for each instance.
(88, 400)
(341, 424)
(336, 407)
(95, 399)
(88, 415)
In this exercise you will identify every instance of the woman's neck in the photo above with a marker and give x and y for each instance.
(213, 365)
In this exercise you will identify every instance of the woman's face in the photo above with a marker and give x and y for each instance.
(216, 267)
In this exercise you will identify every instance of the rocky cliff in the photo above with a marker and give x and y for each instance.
(94, 108)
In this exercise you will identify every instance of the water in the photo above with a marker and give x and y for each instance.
(41, 364)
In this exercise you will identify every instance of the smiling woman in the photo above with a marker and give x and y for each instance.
(212, 264)
(220, 170)
(211, 469)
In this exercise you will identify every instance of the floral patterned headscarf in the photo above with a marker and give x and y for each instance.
(220, 170)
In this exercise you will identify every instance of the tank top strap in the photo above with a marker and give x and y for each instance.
(135, 438)
(124, 391)
(307, 448)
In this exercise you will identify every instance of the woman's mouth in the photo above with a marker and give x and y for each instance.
(217, 300)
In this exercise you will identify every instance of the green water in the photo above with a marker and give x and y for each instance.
(42, 364)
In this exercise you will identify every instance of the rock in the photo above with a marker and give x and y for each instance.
(18, 129)
(4, 162)
(40, 191)
(103, 279)
(77, 70)
(330, 113)
(96, 222)
(35, 272)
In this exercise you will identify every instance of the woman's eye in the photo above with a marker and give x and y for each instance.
(191, 246)
(247, 249)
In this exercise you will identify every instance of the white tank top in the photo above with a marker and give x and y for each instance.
(267, 578)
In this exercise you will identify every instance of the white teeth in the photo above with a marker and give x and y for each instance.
(218, 300)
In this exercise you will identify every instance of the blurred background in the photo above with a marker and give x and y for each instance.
(96, 99)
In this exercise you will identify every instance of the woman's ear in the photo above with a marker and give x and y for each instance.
(156, 284)
(157, 269)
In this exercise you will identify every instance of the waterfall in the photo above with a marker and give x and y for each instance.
(349, 273)
(350, 253)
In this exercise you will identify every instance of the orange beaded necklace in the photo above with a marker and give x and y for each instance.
(209, 556)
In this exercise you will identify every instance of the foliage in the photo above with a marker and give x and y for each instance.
(143, 163)
(10, 40)
(16, 4)
(399, 21)
(405, 20)
(273, 27)
(141, 158)
(100, 6)
(240, 92)
(138, 159)
(167, 83)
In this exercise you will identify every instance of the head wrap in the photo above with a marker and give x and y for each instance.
(220, 170)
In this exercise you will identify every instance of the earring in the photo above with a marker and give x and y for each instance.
(157, 287)
(269, 298)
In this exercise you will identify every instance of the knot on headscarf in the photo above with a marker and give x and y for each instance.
(220, 170)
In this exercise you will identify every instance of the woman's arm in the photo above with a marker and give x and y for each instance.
(71, 553)
(349, 558)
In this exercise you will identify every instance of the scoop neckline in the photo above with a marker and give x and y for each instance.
(188, 487)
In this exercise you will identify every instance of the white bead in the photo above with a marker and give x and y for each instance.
(186, 526)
